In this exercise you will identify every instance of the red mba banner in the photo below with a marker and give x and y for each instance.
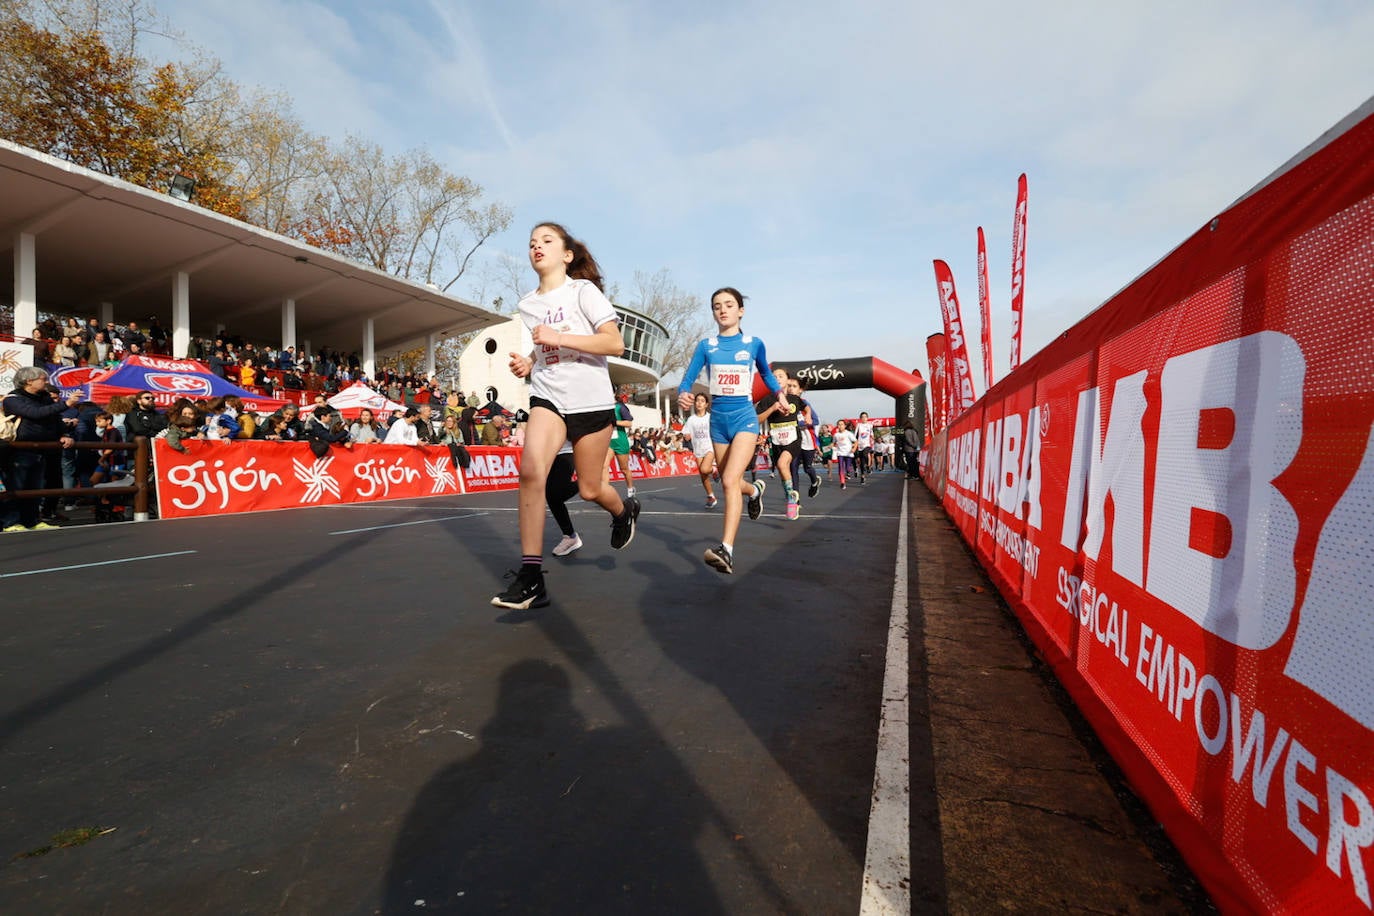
(984, 309)
(1018, 269)
(960, 374)
(939, 398)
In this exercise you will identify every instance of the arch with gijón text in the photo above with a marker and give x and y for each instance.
(907, 388)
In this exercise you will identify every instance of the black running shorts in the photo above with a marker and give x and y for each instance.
(579, 424)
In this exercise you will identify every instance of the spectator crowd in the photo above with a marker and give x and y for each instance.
(433, 417)
(265, 370)
(45, 416)
(42, 415)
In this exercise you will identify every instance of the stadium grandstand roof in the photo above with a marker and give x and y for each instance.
(102, 240)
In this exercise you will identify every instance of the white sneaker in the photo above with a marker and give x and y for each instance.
(630, 491)
(711, 502)
(568, 545)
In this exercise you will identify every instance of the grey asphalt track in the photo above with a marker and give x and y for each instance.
(318, 711)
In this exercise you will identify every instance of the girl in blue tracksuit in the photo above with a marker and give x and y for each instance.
(730, 359)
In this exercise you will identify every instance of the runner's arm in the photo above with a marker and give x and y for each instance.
(684, 389)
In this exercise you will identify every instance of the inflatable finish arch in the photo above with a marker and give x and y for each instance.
(862, 372)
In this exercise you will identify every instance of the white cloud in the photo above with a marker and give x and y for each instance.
(817, 156)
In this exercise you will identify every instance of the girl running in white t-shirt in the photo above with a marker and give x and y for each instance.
(697, 430)
(863, 436)
(844, 442)
(574, 328)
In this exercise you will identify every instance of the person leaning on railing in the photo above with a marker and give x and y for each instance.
(289, 428)
(144, 419)
(450, 433)
(366, 428)
(40, 421)
(187, 423)
(324, 429)
(491, 433)
(247, 422)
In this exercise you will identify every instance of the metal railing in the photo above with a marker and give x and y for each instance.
(139, 489)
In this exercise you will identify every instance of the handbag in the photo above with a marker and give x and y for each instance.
(9, 426)
(460, 456)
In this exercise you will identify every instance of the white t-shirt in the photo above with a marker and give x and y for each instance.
(844, 443)
(863, 433)
(699, 430)
(575, 382)
(402, 433)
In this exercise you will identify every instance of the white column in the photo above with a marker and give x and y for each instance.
(430, 342)
(181, 314)
(106, 313)
(658, 401)
(369, 351)
(304, 348)
(25, 285)
(288, 323)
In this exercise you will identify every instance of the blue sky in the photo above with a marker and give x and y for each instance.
(819, 156)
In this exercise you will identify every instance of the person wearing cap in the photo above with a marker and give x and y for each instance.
(402, 432)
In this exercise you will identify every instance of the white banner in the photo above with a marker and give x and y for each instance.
(13, 357)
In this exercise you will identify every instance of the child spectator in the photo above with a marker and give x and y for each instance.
(366, 428)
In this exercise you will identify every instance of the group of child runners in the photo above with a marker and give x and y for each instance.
(576, 421)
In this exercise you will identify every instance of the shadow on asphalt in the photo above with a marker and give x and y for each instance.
(506, 829)
(54, 700)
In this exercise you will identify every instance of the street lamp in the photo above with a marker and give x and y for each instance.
(182, 188)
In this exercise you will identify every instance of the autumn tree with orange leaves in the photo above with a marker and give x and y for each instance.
(72, 95)
(74, 85)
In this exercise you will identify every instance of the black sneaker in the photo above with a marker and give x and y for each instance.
(623, 528)
(756, 501)
(815, 488)
(525, 591)
(719, 559)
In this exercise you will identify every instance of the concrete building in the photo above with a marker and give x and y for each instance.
(484, 366)
(101, 247)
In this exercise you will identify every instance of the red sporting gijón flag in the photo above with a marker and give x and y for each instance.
(958, 370)
(1018, 269)
(939, 399)
(984, 309)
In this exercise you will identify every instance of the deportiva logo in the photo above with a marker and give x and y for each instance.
(177, 384)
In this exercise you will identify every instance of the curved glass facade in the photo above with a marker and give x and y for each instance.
(646, 341)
